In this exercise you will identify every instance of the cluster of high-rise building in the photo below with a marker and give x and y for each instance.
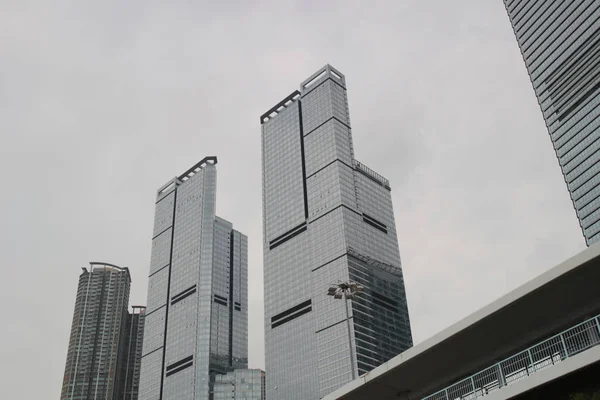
(327, 218)
(328, 222)
(103, 358)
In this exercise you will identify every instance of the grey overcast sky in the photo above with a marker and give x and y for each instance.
(102, 102)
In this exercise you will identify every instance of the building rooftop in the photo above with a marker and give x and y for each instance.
(98, 265)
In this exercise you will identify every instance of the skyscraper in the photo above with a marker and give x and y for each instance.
(326, 218)
(98, 335)
(240, 384)
(131, 354)
(560, 44)
(196, 316)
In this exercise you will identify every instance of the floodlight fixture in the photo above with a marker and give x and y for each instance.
(347, 291)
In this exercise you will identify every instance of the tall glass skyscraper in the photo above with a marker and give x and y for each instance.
(196, 316)
(326, 218)
(131, 355)
(102, 357)
(560, 44)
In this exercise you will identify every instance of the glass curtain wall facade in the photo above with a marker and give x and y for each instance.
(97, 332)
(326, 218)
(560, 44)
(241, 384)
(196, 316)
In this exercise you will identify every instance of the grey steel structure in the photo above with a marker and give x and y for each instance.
(196, 316)
(326, 218)
(241, 384)
(96, 344)
(560, 44)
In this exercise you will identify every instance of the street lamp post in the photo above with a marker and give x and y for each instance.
(347, 291)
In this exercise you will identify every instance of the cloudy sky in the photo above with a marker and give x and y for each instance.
(103, 102)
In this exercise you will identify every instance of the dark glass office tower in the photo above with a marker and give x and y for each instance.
(560, 44)
(197, 315)
(131, 354)
(326, 218)
(97, 333)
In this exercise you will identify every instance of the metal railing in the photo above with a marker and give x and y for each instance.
(529, 361)
(369, 172)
